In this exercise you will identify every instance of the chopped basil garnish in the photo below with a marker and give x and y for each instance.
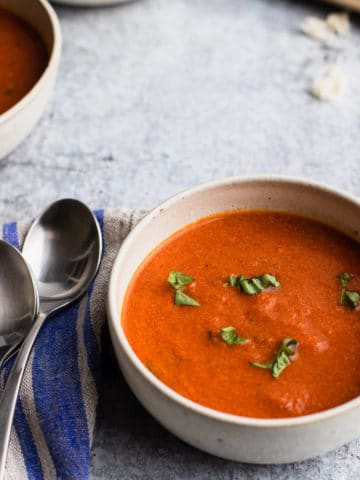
(352, 299)
(345, 278)
(283, 357)
(229, 335)
(255, 285)
(179, 280)
(348, 298)
(183, 299)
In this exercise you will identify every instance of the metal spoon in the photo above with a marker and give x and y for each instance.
(63, 248)
(17, 311)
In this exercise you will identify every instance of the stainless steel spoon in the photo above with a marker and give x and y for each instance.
(19, 301)
(63, 248)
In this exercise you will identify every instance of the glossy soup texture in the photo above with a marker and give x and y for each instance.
(182, 345)
(23, 59)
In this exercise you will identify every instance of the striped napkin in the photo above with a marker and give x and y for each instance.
(55, 415)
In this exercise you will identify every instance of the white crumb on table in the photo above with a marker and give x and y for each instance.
(319, 29)
(315, 28)
(331, 85)
(339, 23)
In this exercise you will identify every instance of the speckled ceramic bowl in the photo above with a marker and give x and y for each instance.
(17, 122)
(229, 436)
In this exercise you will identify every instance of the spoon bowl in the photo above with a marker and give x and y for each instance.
(19, 299)
(63, 247)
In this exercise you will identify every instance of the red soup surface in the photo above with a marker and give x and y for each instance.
(183, 345)
(23, 58)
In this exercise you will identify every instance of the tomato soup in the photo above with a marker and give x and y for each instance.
(23, 59)
(289, 348)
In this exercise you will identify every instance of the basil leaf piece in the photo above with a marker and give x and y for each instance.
(183, 299)
(229, 335)
(281, 362)
(352, 299)
(348, 298)
(248, 286)
(344, 278)
(254, 285)
(178, 279)
(289, 346)
(283, 357)
(270, 280)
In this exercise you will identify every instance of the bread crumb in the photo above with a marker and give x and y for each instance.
(331, 85)
(315, 28)
(339, 22)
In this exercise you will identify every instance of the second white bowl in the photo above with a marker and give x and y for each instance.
(17, 122)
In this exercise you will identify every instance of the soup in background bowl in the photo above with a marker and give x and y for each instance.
(23, 58)
(250, 376)
(30, 44)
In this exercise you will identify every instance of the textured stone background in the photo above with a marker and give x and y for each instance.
(156, 96)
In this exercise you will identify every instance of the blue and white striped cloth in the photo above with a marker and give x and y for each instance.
(55, 414)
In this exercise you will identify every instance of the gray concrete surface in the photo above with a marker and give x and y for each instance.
(156, 96)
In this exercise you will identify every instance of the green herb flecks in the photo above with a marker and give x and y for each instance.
(255, 285)
(348, 298)
(179, 280)
(183, 299)
(283, 357)
(229, 335)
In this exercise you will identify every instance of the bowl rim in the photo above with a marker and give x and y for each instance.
(54, 57)
(116, 327)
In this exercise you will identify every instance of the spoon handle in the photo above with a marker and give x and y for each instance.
(11, 390)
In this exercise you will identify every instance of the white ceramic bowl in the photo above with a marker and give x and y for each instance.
(17, 122)
(229, 436)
